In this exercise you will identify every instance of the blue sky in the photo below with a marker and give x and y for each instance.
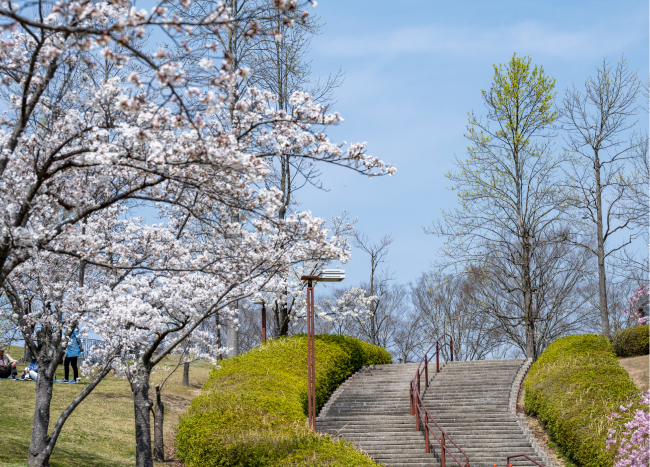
(414, 69)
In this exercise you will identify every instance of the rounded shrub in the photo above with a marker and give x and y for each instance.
(573, 388)
(632, 342)
(252, 411)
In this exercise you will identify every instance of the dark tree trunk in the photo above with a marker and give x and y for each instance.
(528, 302)
(142, 405)
(276, 320)
(602, 279)
(217, 328)
(373, 308)
(39, 454)
(158, 421)
(40, 450)
(283, 329)
(186, 374)
(27, 354)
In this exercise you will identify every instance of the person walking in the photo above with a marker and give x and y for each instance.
(73, 351)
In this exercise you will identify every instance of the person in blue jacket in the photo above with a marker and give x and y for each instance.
(71, 354)
(31, 372)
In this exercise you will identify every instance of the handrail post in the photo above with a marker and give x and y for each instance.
(426, 371)
(417, 416)
(451, 348)
(426, 432)
(419, 409)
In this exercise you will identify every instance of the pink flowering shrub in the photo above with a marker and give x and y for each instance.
(633, 437)
(635, 301)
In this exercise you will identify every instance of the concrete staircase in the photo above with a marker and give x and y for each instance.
(469, 400)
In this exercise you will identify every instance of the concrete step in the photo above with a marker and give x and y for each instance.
(469, 400)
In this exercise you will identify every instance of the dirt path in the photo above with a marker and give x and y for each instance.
(175, 406)
(638, 368)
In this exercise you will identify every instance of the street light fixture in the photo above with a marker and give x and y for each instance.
(259, 301)
(325, 275)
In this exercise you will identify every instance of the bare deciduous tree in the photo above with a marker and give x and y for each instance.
(377, 282)
(449, 304)
(560, 278)
(409, 337)
(598, 121)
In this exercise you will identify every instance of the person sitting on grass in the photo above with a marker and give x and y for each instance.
(31, 372)
(7, 365)
(71, 354)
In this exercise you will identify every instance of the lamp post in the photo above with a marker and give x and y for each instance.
(325, 275)
(261, 302)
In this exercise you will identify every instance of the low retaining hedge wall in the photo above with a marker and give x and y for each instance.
(632, 342)
(573, 387)
(252, 411)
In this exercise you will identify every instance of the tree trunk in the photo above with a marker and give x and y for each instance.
(39, 454)
(531, 348)
(373, 331)
(142, 405)
(186, 374)
(283, 329)
(602, 283)
(602, 290)
(276, 320)
(27, 354)
(233, 339)
(217, 330)
(530, 339)
(158, 421)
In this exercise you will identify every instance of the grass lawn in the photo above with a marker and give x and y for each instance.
(100, 432)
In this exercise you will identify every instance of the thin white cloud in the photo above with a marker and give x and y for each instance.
(529, 37)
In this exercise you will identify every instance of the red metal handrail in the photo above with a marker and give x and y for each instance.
(418, 408)
(521, 455)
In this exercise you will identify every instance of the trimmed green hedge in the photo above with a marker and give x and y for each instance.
(252, 411)
(573, 387)
(632, 342)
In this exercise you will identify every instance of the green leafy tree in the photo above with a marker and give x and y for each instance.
(510, 206)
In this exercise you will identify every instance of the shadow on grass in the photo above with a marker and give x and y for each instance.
(14, 453)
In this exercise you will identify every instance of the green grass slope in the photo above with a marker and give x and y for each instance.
(100, 432)
(573, 387)
(252, 411)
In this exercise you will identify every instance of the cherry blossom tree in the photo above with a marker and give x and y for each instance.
(150, 315)
(50, 296)
(286, 293)
(77, 145)
(80, 146)
(348, 305)
(200, 345)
